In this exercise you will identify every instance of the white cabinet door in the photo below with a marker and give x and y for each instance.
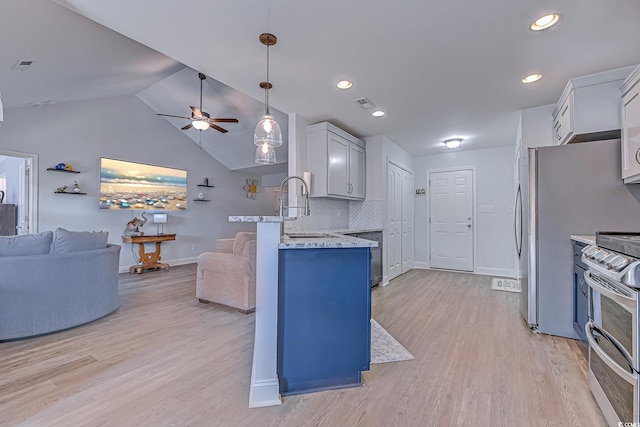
(393, 240)
(566, 122)
(407, 221)
(556, 137)
(336, 161)
(631, 135)
(356, 172)
(338, 167)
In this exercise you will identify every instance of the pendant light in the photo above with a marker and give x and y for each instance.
(265, 155)
(267, 134)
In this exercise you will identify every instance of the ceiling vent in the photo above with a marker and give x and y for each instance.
(21, 65)
(364, 103)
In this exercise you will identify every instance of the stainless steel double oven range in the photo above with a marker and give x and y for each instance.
(613, 277)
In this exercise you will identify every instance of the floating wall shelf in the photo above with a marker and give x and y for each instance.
(69, 192)
(62, 170)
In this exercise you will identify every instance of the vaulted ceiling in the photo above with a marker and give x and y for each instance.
(438, 69)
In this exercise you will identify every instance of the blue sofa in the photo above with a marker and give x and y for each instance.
(50, 282)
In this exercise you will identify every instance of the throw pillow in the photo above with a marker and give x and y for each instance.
(26, 244)
(65, 241)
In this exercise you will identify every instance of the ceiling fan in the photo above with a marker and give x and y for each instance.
(201, 120)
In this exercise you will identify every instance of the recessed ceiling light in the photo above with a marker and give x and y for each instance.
(532, 78)
(452, 142)
(378, 113)
(344, 84)
(545, 22)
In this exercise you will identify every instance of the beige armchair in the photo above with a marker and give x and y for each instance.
(228, 276)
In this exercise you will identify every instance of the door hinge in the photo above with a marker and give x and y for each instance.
(429, 220)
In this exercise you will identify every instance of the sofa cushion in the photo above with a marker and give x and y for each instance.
(74, 241)
(26, 244)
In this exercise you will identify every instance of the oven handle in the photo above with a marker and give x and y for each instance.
(620, 299)
(589, 328)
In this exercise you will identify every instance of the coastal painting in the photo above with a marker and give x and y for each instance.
(130, 185)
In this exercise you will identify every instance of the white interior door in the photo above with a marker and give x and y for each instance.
(27, 200)
(451, 219)
(407, 221)
(393, 242)
(25, 197)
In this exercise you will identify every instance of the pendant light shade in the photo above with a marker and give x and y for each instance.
(267, 134)
(265, 155)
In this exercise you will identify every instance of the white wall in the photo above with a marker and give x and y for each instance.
(125, 128)
(537, 126)
(494, 185)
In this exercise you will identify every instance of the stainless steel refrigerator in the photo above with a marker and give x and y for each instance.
(564, 190)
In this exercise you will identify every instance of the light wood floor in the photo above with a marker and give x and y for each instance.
(163, 359)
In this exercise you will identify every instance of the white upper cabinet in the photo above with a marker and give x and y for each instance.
(589, 108)
(630, 112)
(336, 161)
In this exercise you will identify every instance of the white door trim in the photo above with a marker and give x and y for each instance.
(474, 207)
(33, 187)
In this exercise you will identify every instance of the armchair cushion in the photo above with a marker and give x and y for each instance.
(229, 278)
(242, 238)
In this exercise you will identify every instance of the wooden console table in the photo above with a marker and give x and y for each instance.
(149, 259)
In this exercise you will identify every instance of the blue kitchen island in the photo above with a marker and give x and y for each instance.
(324, 311)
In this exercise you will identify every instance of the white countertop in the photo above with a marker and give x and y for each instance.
(588, 240)
(330, 240)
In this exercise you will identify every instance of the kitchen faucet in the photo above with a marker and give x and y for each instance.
(307, 211)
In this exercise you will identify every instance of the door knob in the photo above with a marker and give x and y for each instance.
(468, 225)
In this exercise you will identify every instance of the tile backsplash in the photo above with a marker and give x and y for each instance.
(367, 214)
(331, 213)
(325, 214)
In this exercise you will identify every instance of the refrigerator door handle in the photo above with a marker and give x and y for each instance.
(518, 215)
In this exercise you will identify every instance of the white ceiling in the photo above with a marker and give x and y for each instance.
(438, 69)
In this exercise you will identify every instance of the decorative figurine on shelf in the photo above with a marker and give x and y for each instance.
(76, 187)
(251, 188)
(61, 189)
(64, 167)
(206, 182)
(133, 226)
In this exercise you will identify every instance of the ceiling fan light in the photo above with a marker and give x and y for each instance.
(267, 132)
(265, 155)
(200, 124)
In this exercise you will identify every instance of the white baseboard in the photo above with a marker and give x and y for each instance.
(173, 262)
(421, 265)
(500, 272)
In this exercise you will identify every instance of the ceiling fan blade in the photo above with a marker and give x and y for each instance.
(189, 126)
(218, 128)
(171, 115)
(216, 119)
(196, 111)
